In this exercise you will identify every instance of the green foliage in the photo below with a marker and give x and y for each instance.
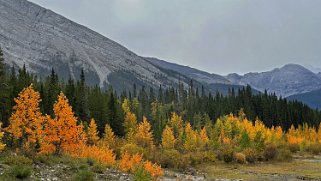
(98, 168)
(17, 160)
(84, 175)
(141, 175)
(284, 155)
(20, 171)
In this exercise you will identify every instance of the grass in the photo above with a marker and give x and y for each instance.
(264, 171)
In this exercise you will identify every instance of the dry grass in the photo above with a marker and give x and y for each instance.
(294, 170)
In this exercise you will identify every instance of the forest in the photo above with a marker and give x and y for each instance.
(142, 131)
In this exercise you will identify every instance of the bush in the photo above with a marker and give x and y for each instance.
(91, 161)
(142, 175)
(270, 152)
(84, 175)
(173, 159)
(240, 158)
(250, 155)
(228, 155)
(131, 149)
(20, 171)
(284, 155)
(315, 148)
(294, 148)
(17, 160)
(98, 168)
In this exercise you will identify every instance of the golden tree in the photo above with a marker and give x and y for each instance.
(92, 134)
(62, 134)
(191, 138)
(130, 124)
(109, 137)
(1, 136)
(26, 121)
(203, 138)
(319, 133)
(168, 139)
(144, 135)
(126, 105)
(176, 123)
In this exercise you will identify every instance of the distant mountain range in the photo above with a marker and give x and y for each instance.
(42, 39)
(288, 80)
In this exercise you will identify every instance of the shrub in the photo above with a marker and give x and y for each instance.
(314, 148)
(142, 175)
(240, 158)
(153, 169)
(131, 149)
(250, 155)
(84, 175)
(98, 168)
(20, 171)
(91, 161)
(173, 159)
(129, 163)
(270, 152)
(284, 155)
(228, 155)
(17, 160)
(294, 148)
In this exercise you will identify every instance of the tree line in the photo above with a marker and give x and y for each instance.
(194, 104)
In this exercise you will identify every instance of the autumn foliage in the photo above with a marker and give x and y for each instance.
(26, 121)
(230, 138)
(62, 133)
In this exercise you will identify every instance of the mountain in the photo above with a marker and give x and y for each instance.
(198, 75)
(312, 99)
(42, 39)
(213, 82)
(288, 80)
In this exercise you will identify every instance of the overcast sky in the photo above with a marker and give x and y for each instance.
(218, 36)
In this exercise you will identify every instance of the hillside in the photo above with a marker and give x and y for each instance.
(312, 99)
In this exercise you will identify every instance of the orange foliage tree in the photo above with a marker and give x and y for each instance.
(92, 133)
(62, 134)
(26, 121)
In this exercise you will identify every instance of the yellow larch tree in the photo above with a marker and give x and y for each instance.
(191, 138)
(92, 133)
(203, 138)
(168, 138)
(319, 133)
(176, 123)
(109, 138)
(144, 135)
(130, 125)
(126, 105)
(26, 121)
(62, 134)
(2, 146)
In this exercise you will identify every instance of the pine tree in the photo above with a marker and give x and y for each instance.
(168, 139)
(62, 134)
(92, 134)
(26, 121)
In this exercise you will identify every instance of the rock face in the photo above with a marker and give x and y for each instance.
(42, 39)
(286, 81)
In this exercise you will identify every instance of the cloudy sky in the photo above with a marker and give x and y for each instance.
(219, 36)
